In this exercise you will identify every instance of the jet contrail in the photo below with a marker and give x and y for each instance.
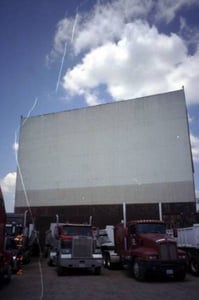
(25, 192)
(74, 26)
(32, 108)
(64, 54)
(16, 156)
(61, 67)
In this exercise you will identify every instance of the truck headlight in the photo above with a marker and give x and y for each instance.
(97, 256)
(98, 251)
(20, 257)
(66, 251)
(153, 257)
(182, 256)
(66, 256)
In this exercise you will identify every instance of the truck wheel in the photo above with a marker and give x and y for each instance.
(97, 271)
(180, 276)
(194, 267)
(105, 260)
(7, 275)
(50, 262)
(60, 271)
(109, 263)
(14, 267)
(138, 271)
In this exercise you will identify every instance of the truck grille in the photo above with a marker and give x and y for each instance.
(82, 247)
(168, 251)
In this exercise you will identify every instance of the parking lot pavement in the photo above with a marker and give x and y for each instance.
(38, 281)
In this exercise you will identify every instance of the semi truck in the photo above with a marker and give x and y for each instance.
(73, 246)
(106, 242)
(5, 255)
(21, 238)
(188, 240)
(145, 249)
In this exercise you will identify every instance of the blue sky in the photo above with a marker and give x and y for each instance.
(59, 55)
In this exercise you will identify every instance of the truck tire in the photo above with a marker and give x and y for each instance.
(7, 275)
(138, 270)
(180, 276)
(194, 267)
(109, 263)
(50, 262)
(15, 267)
(97, 271)
(60, 270)
(105, 260)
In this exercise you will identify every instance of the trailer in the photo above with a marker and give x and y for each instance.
(5, 255)
(188, 240)
(21, 238)
(51, 245)
(106, 242)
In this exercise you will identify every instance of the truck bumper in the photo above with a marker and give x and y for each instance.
(115, 258)
(85, 263)
(166, 269)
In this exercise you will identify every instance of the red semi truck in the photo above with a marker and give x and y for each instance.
(145, 248)
(5, 256)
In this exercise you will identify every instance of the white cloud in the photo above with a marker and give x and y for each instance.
(142, 62)
(126, 55)
(189, 33)
(91, 99)
(195, 147)
(190, 119)
(8, 188)
(93, 29)
(96, 28)
(166, 9)
(15, 146)
(187, 74)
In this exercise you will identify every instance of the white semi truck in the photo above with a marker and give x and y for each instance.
(188, 240)
(73, 246)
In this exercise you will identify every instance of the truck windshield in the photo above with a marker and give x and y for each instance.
(9, 230)
(77, 230)
(151, 228)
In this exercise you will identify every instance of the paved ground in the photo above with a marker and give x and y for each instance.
(41, 282)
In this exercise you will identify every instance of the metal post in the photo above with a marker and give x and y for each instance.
(124, 219)
(160, 211)
(57, 219)
(25, 218)
(124, 213)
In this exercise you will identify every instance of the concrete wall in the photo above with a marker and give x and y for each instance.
(135, 151)
(174, 214)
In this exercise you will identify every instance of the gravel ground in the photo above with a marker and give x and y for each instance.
(39, 281)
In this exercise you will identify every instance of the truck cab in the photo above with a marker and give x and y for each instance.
(147, 249)
(74, 247)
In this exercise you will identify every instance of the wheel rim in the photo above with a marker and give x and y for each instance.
(108, 262)
(194, 267)
(136, 269)
(105, 261)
